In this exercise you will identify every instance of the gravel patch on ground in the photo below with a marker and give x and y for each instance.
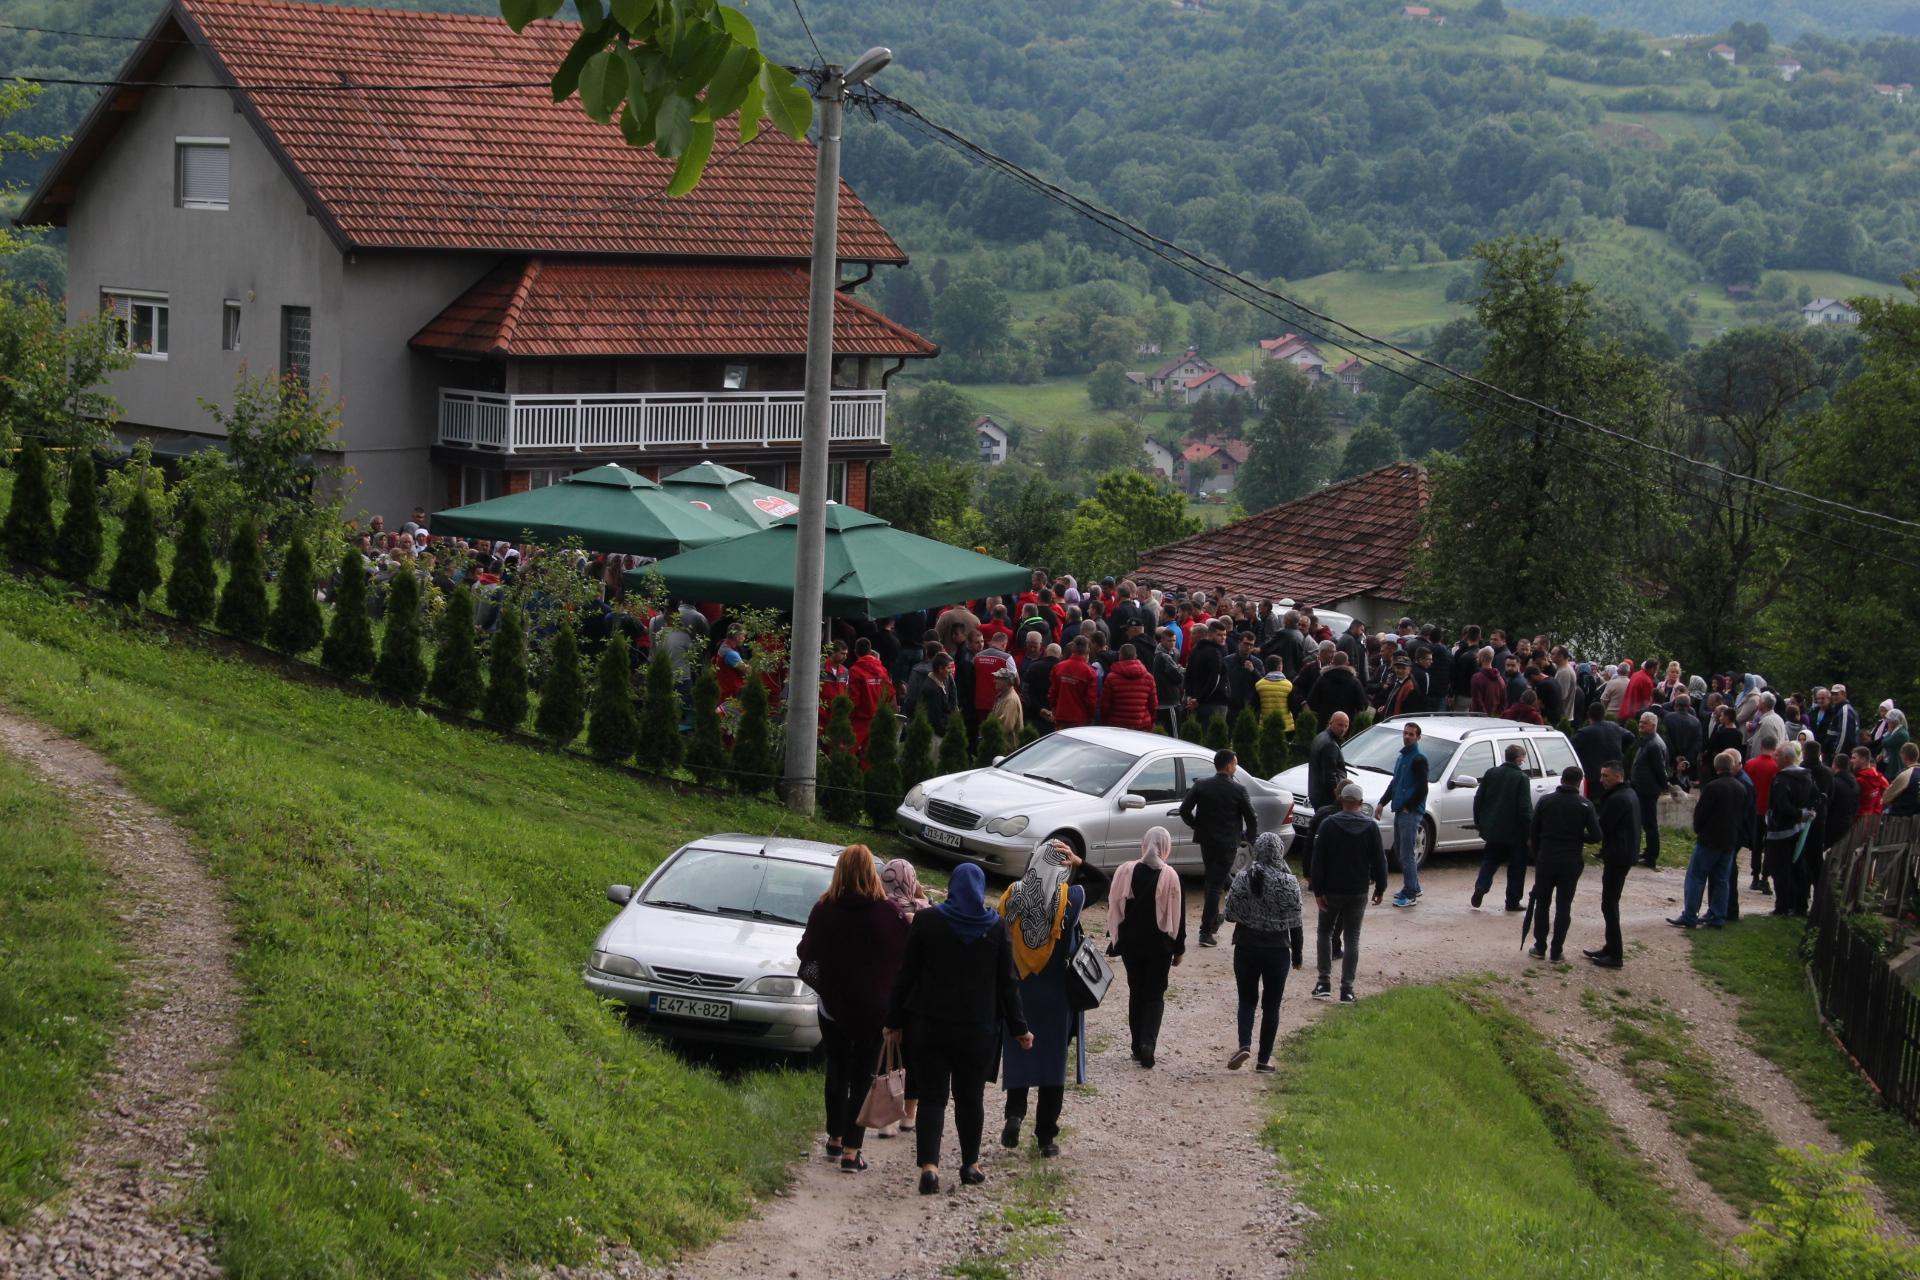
(144, 1146)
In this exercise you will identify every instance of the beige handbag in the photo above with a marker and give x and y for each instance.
(887, 1096)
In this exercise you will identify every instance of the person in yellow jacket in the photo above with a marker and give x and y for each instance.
(1273, 689)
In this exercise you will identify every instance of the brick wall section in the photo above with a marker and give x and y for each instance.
(519, 481)
(857, 484)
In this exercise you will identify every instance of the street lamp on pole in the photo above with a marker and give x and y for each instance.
(803, 668)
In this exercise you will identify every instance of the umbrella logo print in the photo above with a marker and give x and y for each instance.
(702, 505)
(775, 506)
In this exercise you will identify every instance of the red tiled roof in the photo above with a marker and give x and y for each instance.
(1171, 365)
(1198, 450)
(1237, 450)
(1350, 365)
(487, 169)
(613, 307)
(1352, 538)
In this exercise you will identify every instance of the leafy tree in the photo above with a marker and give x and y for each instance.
(993, 742)
(972, 317)
(27, 536)
(506, 701)
(1219, 735)
(1290, 446)
(1026, 513)
(1127, 516)
(136, 565)
(706, 746)
(1246, 739)
(916, 752)
(1113, 446)
(1373, 444)
(348, 649)
(937, 422)
(190, 591)
(1739, 257)
(842, 790)
(1819, 1224)
(667, 74)
(282, 450)
(883, 767)
(754, 765)
(455, 683)
(1531, 490)
(918, 494)
(613, 732)
(907, 300)
(1490, 10)
(1109, 387)
(78, 550)
(56, 371)
(661, 746)
(563, 696)
(295, 625)
(1276, 751)
(954, 755)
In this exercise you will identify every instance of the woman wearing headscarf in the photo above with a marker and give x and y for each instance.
(1888, 737)
(1264, 905)
(853, 943)
(901, 880)
(1043, 924)
(955, 990)
(1147, 929)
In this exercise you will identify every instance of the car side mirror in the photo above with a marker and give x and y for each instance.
(1131, 801)
(620, 894)
(997, 760)
(1465, 780)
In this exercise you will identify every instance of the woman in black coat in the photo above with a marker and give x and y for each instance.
(956, 989)
(849, 954)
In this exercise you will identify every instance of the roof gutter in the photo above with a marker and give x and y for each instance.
(848, 286)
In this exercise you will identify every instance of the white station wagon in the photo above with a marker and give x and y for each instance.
(705, 949)
(1098, 789)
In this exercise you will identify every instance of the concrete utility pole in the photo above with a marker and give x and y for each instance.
(816, 426)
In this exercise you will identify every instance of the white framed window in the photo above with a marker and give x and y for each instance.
(140, 321)
(202, 176)
(230, 325)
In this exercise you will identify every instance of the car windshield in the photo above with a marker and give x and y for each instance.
(1375, 747)
(1066, 762)
(717, 882)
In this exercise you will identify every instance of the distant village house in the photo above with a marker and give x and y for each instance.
(1829, 311)
(1174, 375)
(1296, 351)
(1219, 383)
(993, 440)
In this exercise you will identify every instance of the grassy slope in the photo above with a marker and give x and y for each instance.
(425, 1087)
(59, 983)
(1437, 1135)
(1759, 964)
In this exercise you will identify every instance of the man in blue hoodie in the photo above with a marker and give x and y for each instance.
(1408, 796)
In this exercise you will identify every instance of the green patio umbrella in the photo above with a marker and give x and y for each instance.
(733, 494)
(608, 509)
(873, 569)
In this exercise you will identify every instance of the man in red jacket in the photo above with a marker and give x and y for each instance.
(1489, 687)
(834, 680)
(1129, 695)
(1639, 695)
(985, 663)
(1760, 771)
(870, 689)
(1071, 690)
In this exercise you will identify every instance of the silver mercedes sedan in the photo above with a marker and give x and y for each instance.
(1098, 789)
(705, 949)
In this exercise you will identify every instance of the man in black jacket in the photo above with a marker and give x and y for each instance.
(1619, 843)
(1208, 691)
(1337, 689)
(1218, 810)
(1564, 823)
(1721, 813)
(1652, 775)
(1687, 736)
(1600, 740)
(1348, 856)
(1326, 766)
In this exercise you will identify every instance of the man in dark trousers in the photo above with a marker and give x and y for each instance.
(1348, 857)
(1688, 737)
(1652, 775)
(1721, 814)
(1503, 815)
(1326, 766)
(1218, 810)
(1564, 824)
(1619, 845)
(1208, 689)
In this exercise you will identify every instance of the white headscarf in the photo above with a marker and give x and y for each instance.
(1155, 847)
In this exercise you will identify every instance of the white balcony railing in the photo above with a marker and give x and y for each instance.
(676, 420)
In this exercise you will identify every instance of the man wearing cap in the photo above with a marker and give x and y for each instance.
(1564, 824)
(1348, 859)
(1840, 731)
(1218, 810)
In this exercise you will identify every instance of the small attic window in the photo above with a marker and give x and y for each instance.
(202, 176)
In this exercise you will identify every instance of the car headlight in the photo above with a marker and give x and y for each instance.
(777, 985)
(1011, 826)
(916, 798)
(621, 966)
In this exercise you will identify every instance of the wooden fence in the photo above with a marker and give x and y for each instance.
(1873, 873)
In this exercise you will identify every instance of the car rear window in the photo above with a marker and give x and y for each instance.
(721, 882)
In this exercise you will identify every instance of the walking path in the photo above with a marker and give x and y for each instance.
(143, 1147)
(1167, 1171)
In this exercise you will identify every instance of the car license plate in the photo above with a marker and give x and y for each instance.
(687, 1007)
(934, 835)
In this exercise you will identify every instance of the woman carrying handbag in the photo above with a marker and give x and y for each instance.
(1042, 912)
(849, 955)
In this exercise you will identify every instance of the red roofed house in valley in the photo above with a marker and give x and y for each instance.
(495, 286)
(1346, 547)
(1296, 351)
(1217, 383)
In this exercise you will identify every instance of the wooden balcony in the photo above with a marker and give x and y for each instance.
(678, 421)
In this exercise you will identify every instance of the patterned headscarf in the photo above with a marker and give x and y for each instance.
(1037, 908)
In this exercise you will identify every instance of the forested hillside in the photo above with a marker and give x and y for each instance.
(1785, 18)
